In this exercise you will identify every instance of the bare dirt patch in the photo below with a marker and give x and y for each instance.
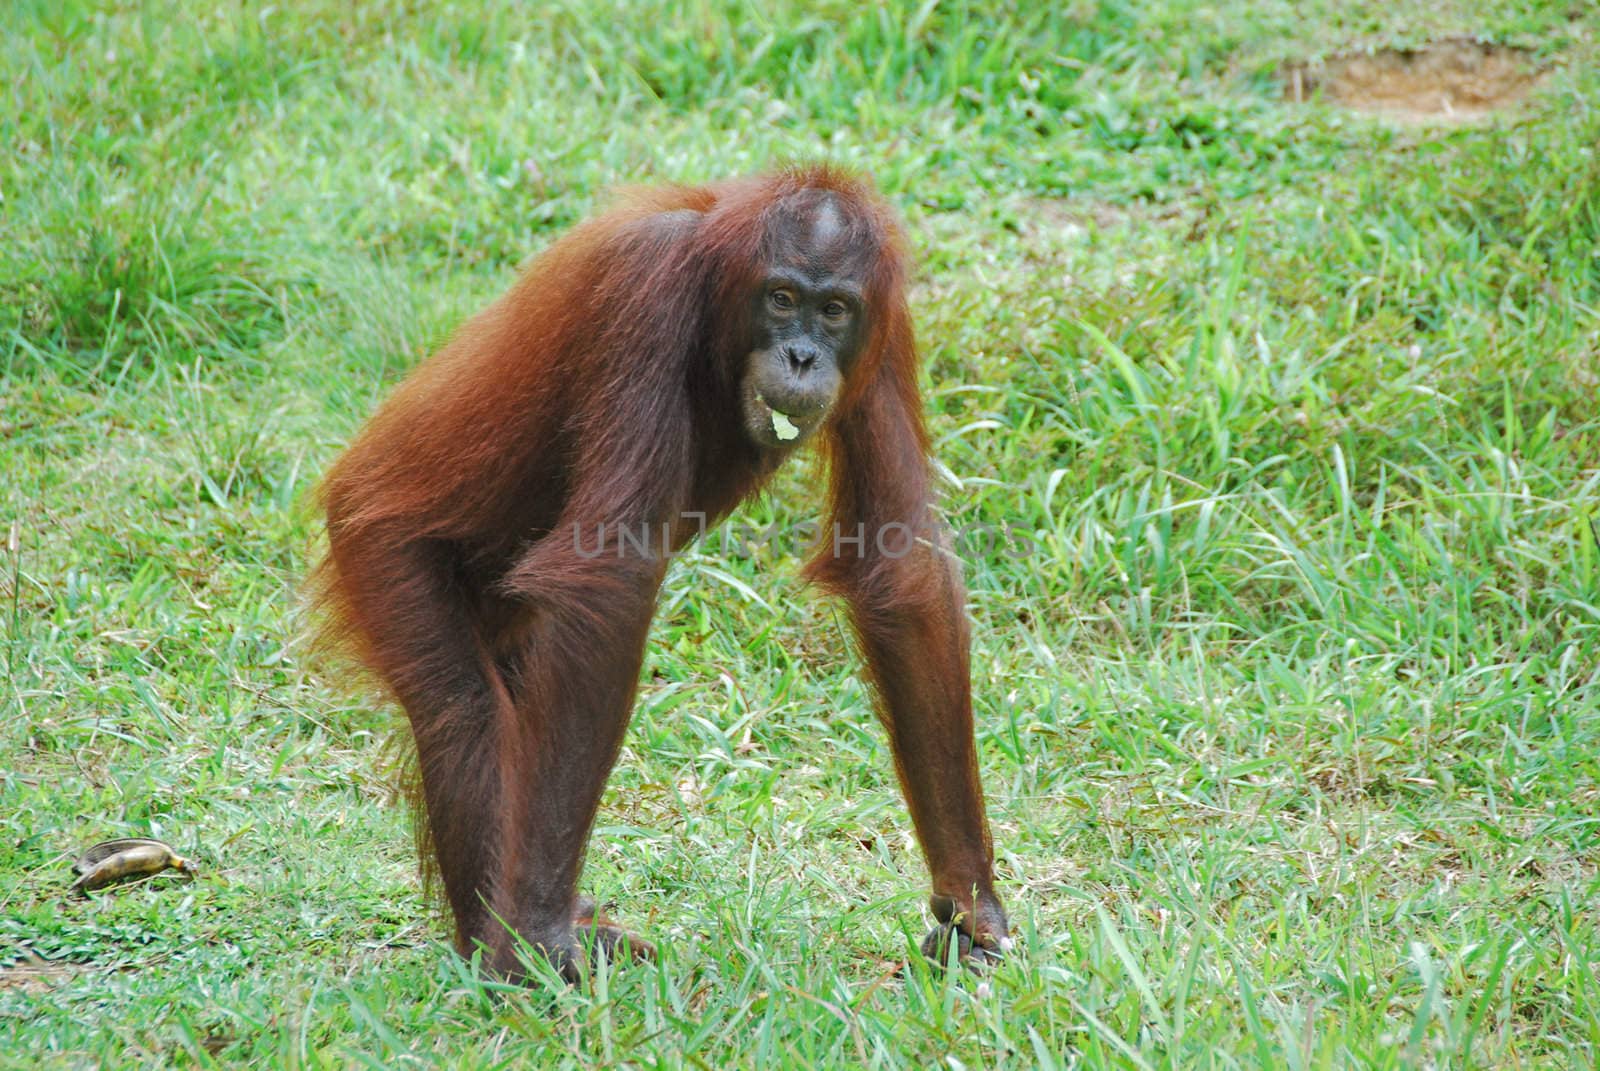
(33, 975)
(1457, 79)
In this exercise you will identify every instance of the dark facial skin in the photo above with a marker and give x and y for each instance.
(809, 320)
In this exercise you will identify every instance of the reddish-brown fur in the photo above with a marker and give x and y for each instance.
(600, 391)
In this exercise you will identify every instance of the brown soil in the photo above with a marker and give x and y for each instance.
(1456, 79)
(33, 975)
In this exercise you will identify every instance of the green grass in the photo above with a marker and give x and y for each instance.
(1287, 695)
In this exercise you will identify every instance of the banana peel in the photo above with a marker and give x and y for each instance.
(112, 861)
